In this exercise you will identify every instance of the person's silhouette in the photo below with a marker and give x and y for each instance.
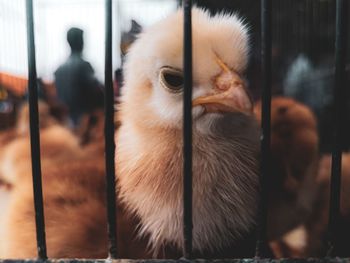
(76, 85)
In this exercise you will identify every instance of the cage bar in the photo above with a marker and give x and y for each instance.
(246, 260)
(339, 111)
(34, 135)
(109, 135)
(187, 131)
(266, 36)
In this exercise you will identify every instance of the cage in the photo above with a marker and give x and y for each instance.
(268, 13)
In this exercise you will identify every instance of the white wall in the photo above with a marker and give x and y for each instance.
(54, 17)
(13, 37)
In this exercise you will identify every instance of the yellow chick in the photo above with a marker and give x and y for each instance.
(225, 137)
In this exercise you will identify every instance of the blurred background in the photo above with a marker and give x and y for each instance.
(52, 20)
(303, 46)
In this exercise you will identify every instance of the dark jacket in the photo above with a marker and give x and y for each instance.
(77, 87)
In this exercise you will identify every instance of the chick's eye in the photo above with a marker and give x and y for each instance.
(171, 79)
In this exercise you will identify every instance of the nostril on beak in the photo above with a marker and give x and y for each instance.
(282, 110)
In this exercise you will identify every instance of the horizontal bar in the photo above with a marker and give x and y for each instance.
(187, 131)
(109, 135)
(249, 260)
(34, 135)
(340, 98)
(266, 36)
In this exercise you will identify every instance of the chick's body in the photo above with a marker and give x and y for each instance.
(225, 143)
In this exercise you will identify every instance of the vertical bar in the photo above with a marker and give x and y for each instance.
(109, 135)
(265, 124)
(339, 111)
(34, 135)
(187, 131)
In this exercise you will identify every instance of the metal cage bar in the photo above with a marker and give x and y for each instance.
(339, 111)
(109, 135)
(247, 260)
(187, 131)
(34, 135)
(266, 35)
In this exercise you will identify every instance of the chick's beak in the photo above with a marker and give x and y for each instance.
(229, 94)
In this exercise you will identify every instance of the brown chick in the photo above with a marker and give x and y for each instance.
(225, 138)
(294, 153)
(56, 141)
(45, 118)
(74, 209)
(7, 142)
(6, 137)
(74, 203)
(22, 123)
(73, 188)
(21, 129)
(318, 223)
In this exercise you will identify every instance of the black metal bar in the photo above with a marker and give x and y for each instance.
(109, 136)
(187, 131)
(246, 260)
(265, 124)
(34, 135)
(339, 114)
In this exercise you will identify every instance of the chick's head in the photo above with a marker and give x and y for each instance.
(153, 90)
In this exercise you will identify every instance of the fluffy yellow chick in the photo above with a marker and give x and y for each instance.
(225, 136)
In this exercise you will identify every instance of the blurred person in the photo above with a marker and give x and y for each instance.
(75, 82)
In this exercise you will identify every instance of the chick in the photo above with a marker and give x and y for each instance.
(225, 137)
(6, 137)
(56, 141)
(294, 143)
(294, 153)
(73, 190)
(11, 155)
(74, 206)
(45, 118)
(318, 223)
